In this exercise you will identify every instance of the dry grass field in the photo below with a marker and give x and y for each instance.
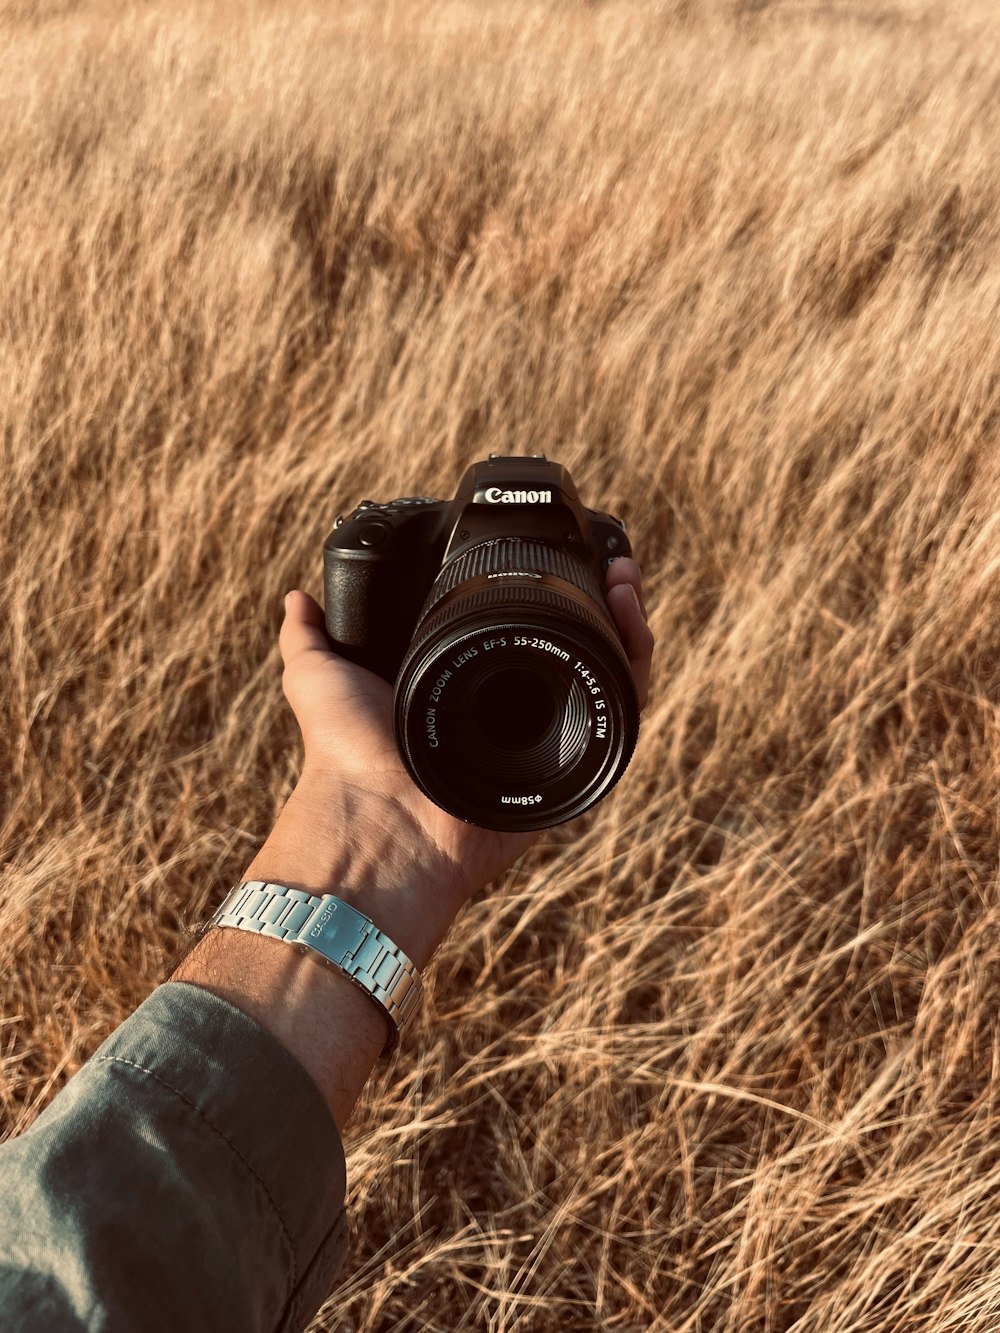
(722, 1055)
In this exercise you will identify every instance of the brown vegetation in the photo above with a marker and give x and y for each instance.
(721, 1056)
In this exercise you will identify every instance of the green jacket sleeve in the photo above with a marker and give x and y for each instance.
(189, 1176)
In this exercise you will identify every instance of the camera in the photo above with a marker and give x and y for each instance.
(514, 703)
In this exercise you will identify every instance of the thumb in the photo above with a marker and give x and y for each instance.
(304, 628)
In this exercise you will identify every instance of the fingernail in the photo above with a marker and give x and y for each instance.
(635, 598)
(287, 597)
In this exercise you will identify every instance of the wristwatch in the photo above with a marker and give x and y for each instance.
(342, 936)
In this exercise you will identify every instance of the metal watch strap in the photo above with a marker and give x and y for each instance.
(343, 937)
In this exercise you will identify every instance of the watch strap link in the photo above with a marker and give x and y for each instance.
(344, 937)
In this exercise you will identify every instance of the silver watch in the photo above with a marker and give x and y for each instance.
(342, 936)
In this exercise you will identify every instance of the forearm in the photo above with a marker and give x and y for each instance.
(324, 1019)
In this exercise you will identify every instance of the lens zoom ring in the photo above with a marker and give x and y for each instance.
(510, 601)
(514, 555)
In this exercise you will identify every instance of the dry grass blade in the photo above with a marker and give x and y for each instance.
(722, 1055)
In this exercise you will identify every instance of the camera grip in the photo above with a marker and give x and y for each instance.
(355, 594)
(372, 603)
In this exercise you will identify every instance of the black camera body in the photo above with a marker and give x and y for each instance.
(515, 560)
(381, 560)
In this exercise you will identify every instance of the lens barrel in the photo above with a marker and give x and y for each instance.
(515, 706)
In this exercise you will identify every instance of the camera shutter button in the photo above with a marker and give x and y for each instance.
(373, 534)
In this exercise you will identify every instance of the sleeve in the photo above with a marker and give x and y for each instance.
(189, 1176)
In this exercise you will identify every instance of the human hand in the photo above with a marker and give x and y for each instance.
(345, 715)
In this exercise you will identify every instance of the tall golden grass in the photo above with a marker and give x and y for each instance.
(721, 1055)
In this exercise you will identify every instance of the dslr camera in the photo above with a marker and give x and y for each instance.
(514, 705)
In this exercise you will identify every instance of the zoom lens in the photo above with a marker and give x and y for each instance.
(515, 706)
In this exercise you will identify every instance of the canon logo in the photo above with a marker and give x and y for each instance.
(498, 497)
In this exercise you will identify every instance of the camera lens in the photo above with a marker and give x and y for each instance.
(515, 706)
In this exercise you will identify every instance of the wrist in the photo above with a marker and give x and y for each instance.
(330, 838)
(327, 839)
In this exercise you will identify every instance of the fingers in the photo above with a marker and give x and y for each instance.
(624, 593)
(303, 629)
(625, 570)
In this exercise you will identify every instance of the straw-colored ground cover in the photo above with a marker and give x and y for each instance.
(722, 1055)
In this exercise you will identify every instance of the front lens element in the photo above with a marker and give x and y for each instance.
(513, 707)
(526, 724)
